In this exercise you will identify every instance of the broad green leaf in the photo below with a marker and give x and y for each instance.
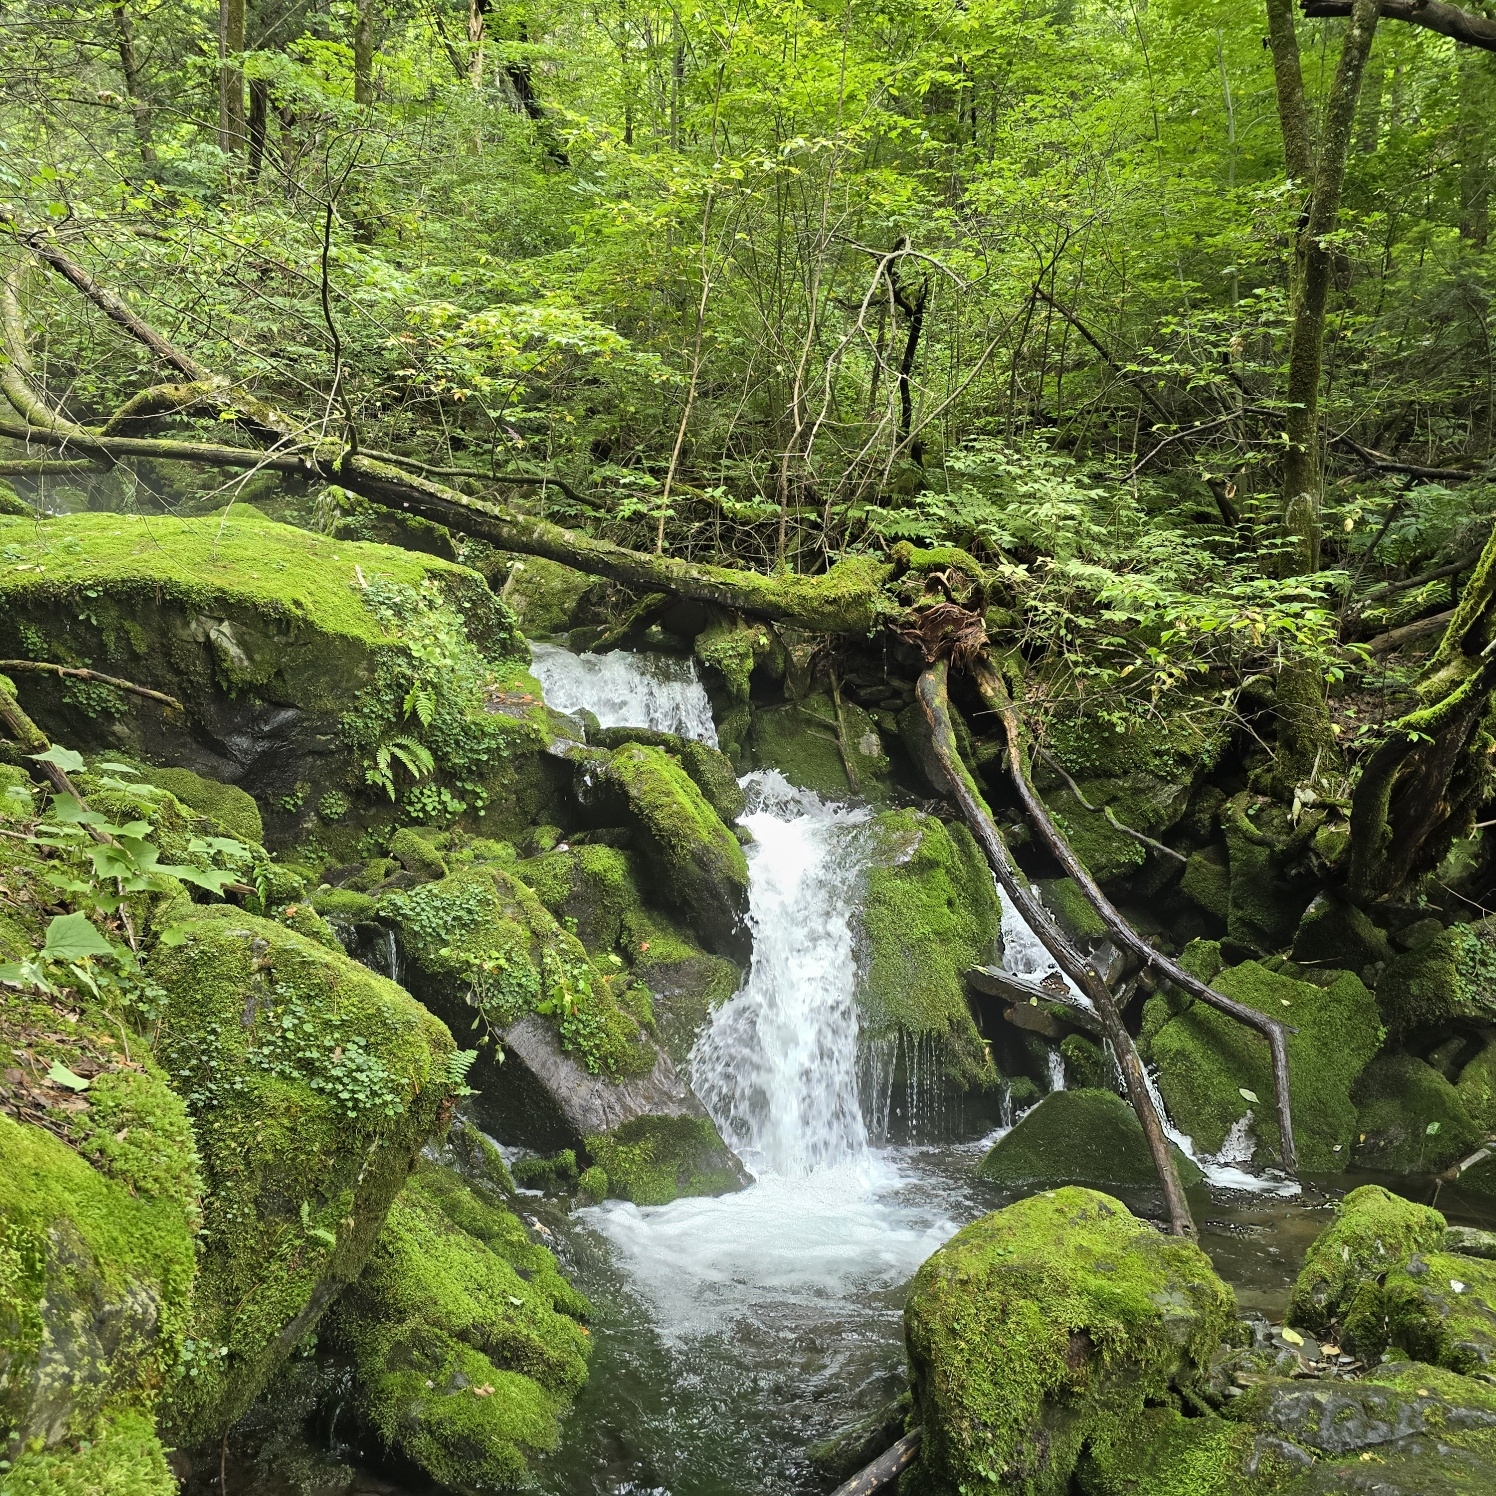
(1245, 1094)
(60, 1075)
(72, 937)
(64, 758)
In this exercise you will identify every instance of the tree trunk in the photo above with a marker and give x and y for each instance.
(1477, 99)
(363, 53)
(140, 109)
(1302, 477)
(230, 76)
(935, 707)
(476, 28)
(259, 117)
(1288, 79)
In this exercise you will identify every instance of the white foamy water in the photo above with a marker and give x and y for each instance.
(624, 689)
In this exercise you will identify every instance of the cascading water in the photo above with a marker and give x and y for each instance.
(623, 689)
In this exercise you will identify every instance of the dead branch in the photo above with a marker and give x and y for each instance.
(1448, 20)
(885, 1469)
(935, 707)
(7, 666)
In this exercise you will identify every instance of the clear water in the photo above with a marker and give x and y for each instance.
(662, 692)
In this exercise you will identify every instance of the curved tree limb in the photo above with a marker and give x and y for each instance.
(1448, 20)
(41, 666)
(995, 694)
(935, 707)
(1105, 810)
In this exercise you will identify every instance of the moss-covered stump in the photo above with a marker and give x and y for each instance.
(1450, 977)
(928, 913)
(307, 666)
(1267, 898)
(465, 1340)
(1373, 1231)
(1206, 1062)
(694, 859)
(1090, 1138)
(312, 1084)
(1436, 1306)
(1409, 1118)
(802, 740)
(1047, 1325)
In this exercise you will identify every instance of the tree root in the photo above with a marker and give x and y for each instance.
(935, 707)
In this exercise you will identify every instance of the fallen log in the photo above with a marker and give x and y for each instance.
(995, 694)
(886, 1468)
(1024, 992)
(935, 708)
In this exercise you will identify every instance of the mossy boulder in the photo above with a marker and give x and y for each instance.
(1409, 1118)
(295, 657)
(1207, 881)
(1477, 1089)
(123, 1457)
(694, 858)
(593, 890)
(1373, 1231)
(806, 743)
(1071, 908)
(1082, 1137)
(927, 914)
(709, 767)
(230, 806)
(1334, 932)
(465, 1341)
(1046, 1326)
(1436, 1306)
(417, 854)
(1206, 1061)
(1163, 1453)
(1448, 978)
(312, 1084)
(653, 1160)
(545, 595)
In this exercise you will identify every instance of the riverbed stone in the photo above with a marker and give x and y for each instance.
(1080, 1137)
(1045, 1325)
(801, 739)
(1436, 1306)
(1374, 1230)
(1206, 1061)
(928, 912)
(1409, 1118)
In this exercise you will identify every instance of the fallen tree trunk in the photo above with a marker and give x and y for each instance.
(885, 1469)
(935, 707)
(996, 696)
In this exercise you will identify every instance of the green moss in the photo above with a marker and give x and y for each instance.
(416, 854)
(1399, 1099)
(1450, 977)
(653, 1160)
(544, 594)
(593, 1184)
(928, 913)
(12, 503)
(1208, 883)
(556, 1172)
(803, 742)
(1044, 1324)
(1477, 1089)
(312, 1084)
(1435, 1307)
(464, 1356)
(344, 906)
(1163, 1453)
(481, 939)
(1266, 905)
(592, 886)
(227, 804)
(1083, 1137)
(686, 983)
(1334, 933)
(1206, 1060)
(122, 1458)
(684, 845)
(729, 646)
(1373, 1231)
(1071, 908)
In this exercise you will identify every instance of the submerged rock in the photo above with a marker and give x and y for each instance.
(1090, 1138)
(1046, 1326)
(1208, 1063)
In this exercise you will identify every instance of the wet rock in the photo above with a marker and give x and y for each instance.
(1469, 1241)
(1477, 1089)
(1080, 1137)
(803, 741)
(1047, 1325)
(1435, 1307)
(1409, 1118)
(1444, 980)
(853, 1448)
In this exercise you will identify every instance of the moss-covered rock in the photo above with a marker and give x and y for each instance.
(804, 741)
(591, 889)
(653, 1160)
(417, 854)
(1373, 1231)
(1071, 908)
(1207, 881)
(1336, 933)
(1083, 1137)
(464, 1339)
(709, 767)
(1477, 1089)
(312, 1084)
(1437, 1307)
(544, 594)
(928, 913)
(697, 861)
(1207, 1060)
(304, 663)
(1047, 1325)
(1163, 1453)
(1409, 1118)
(231, 807)
(123, 1457)
(1452, 976)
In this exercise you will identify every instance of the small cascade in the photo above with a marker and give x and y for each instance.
(904, 1095)
(623, 689)
(1023, 952)
(777, 1067)
(1056, 1070)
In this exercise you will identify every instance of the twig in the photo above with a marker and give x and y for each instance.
(7, 666)
(1106, 810)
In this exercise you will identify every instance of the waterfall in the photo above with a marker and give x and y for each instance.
(1056, 1070)
(777, 1067)
(622, 689)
